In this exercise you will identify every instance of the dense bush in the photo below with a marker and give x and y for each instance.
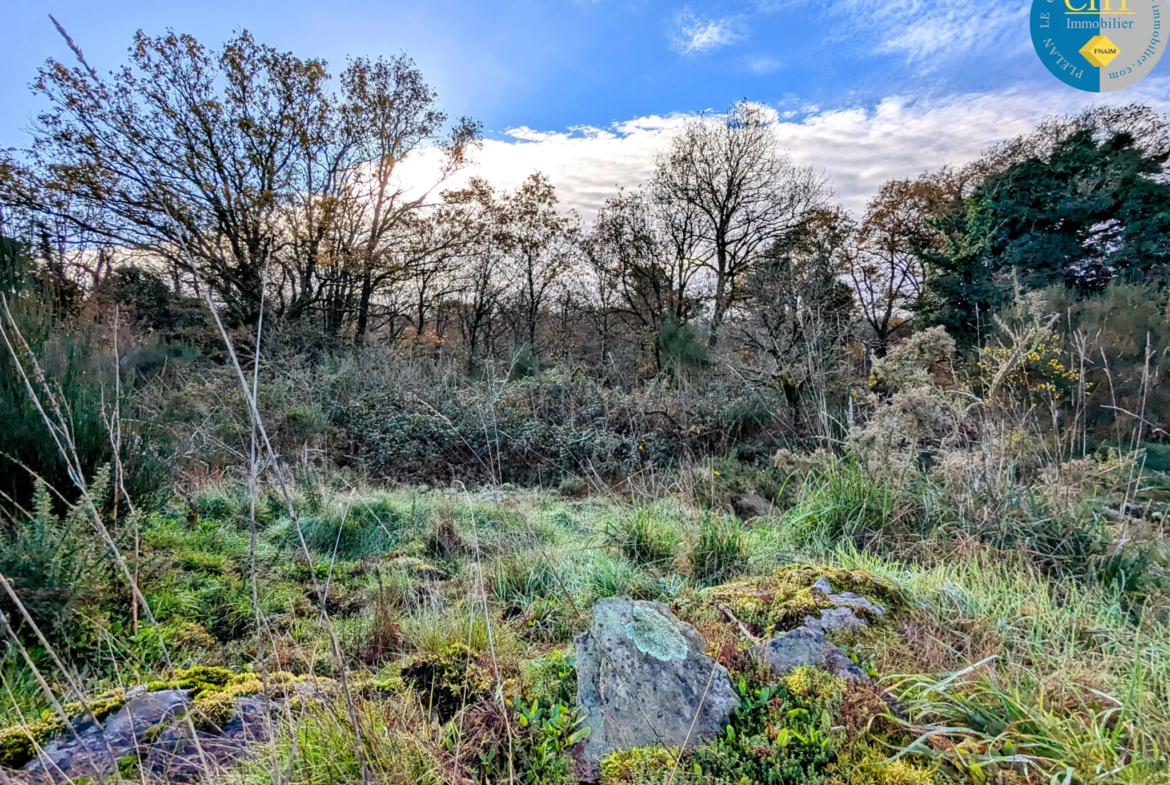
(59, 569)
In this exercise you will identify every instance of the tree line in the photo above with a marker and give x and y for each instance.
(253, 175)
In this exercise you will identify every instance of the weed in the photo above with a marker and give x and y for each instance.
(644, 538)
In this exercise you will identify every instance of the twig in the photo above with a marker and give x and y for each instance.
(743, 628)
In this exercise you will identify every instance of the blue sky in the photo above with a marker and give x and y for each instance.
(550, 66)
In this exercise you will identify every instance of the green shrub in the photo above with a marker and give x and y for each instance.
(69, 344)
(57, 566)
(724, 483)
(552, 678)
(541, 754)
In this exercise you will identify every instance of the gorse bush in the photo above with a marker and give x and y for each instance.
(58, 567)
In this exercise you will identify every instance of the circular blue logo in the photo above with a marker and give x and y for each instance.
(1100, 45)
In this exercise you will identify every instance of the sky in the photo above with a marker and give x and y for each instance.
(588, 91)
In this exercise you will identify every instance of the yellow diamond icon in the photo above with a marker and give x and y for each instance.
(1100, 51)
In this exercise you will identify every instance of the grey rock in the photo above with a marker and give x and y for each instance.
(96, 749)
(178, 757)
(834, 620)
(804, 646)
(851, 600)
(642, 678)
(823, 586)
(751, 505)
(847, 599)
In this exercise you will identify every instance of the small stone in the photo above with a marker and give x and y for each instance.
(848, 598)
(807, 647)
(423, 489)
(834, 620)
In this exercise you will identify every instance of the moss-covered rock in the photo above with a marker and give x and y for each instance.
(213, 710)
(763, 606)
(201, 679)
(18, 744)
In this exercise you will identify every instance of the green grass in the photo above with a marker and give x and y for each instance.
(1058, 678)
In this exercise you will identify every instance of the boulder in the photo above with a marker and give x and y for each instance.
(805, 646)
(96, 749)
(176, 757)
(642, 679)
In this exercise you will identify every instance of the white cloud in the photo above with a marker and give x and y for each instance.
(694, 34)
(763, 64)
(923, 30)
(858, 148)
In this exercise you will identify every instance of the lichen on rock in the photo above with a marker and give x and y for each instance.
(655, 635)
(643, 679)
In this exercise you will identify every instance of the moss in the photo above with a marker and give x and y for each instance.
(808, 683)
(280, 681)
(861, 763)
(152, 734)
(202, 679)
(16, 748)
(189, 635)
(212, 711)
(369, 685)
(129, 766)
(780, 601)
(102, 706)
(448, 681)
(639, 766)
(18, 744)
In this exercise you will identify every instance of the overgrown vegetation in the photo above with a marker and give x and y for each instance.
(955, 408)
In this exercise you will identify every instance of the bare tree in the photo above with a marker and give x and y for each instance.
(886, 268)
(243, 156)
(642, 256)
(481, 278)
(744, 192)
(542, 245)
(800, 314)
